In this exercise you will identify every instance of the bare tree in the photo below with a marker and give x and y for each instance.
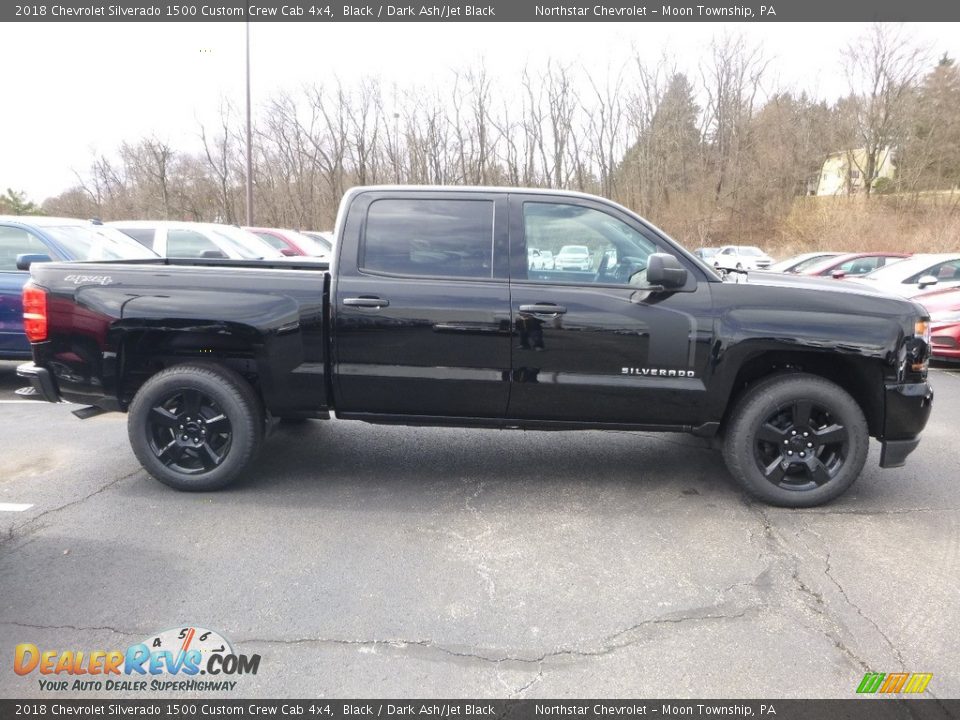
(732, 79)
(219, 152)
(882, 69)
(606, 123)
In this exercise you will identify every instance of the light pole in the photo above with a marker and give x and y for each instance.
(249, 140)
(396, 143)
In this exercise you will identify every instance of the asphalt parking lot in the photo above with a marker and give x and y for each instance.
(372, 561)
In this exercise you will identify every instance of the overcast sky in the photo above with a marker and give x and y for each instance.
(72, 90)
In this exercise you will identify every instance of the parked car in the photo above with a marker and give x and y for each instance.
(291, 242)
(170, 238)
(741, 257)
(573, 257)
(853, 264)
(798, 263)
(916, 274)
(427, 321)
(539, 259)
(28, 239)
(944, 308)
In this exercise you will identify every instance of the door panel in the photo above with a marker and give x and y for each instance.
(411, 344)
(617, 353)
(12, 339)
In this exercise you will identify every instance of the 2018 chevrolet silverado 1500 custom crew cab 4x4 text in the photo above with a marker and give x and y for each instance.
(432, 315)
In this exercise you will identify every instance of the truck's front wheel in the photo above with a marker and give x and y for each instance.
(195, 426)
(796, 440)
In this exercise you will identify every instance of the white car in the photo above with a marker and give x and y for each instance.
(916, 274)
(536, 259)
(573, 257)
(198, 240)
(741, 257)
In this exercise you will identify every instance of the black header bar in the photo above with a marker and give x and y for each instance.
(892, 708)
(482, 11)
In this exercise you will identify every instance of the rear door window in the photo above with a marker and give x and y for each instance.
(429, 238)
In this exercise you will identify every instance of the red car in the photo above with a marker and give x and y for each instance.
(944, 308)
(853, 264)
(291, 242)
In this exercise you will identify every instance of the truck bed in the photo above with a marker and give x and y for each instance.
(110, 326)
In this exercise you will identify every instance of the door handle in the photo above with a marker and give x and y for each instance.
(366, 301)
(543, 309)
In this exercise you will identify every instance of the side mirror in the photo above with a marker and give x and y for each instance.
(665, 270)
(212, 254)
(927, 280)
(25, 260)
(838, 274)
(288, 252)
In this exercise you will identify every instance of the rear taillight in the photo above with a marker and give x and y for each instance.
(35, 313)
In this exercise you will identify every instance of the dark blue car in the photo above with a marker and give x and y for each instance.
(44, 239)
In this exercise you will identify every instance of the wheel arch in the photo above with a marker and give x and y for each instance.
(145, 348)
(861, 377)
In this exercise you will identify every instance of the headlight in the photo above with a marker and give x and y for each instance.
(918, 353)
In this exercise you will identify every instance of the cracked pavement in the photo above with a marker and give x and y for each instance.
(364, 561)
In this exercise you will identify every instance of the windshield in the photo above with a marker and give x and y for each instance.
(96, 242)
(245, 244)
(895, 272)
(574, 250)
(810, 262)
(325, 242)
(307, 244)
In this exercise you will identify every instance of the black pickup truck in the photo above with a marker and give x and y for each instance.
(432, 314)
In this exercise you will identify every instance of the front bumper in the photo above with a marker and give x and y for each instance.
(41, 380)
(908, 408)
(945, 342)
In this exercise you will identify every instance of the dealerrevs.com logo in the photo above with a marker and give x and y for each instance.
(170, 661)
(894, 683)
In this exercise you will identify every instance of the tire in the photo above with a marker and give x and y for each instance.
(768, 453)
(196, 426)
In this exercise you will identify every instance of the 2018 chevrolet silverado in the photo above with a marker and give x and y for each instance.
(431, 315)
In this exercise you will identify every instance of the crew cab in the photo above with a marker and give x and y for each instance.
(431, 315)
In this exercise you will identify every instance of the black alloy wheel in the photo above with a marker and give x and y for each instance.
(188, 432)
(196, 426)
(796, 440)
(801, 446)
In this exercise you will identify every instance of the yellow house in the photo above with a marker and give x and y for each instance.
(842, 172)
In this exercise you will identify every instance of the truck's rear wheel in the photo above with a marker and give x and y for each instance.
(796, 440)
(195, 426)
